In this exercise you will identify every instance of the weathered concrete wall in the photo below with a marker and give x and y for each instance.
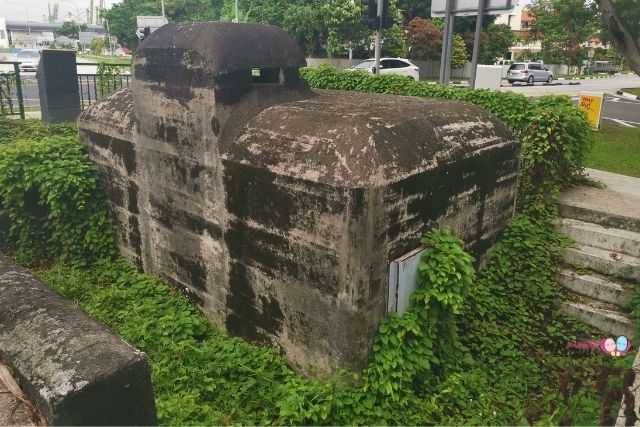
(73, 368)
(277, 209)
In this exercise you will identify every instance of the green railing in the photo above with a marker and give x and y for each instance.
(11, 91)
(108, 79)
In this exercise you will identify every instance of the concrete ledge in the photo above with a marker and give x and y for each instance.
(73, 368)
(597, 287)
(601, 261)
(599, 315)
(628, 95)
(609, 238)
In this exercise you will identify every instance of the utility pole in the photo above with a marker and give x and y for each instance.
(106, 21)
(445, 56)
(162, 5)
(476, 44)
(378, 47)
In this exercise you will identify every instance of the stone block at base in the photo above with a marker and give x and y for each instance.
(73, 368)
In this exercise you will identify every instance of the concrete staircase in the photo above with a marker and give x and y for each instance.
(605, 260)
(604, 263)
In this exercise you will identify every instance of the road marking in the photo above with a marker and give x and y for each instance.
(622, 122)
(615, 99)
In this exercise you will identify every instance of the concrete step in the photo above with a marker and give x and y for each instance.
(599, 260)
(598, 287)
(611, 239)
(617, 205)
(606, 317)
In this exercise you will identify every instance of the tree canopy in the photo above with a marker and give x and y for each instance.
(563, 26)
(424, 39)
(319, 26)
(70, 29)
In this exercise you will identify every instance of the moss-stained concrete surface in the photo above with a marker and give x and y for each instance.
(73, 368)
(276, 208)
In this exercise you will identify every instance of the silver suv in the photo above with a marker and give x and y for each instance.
(529, 72)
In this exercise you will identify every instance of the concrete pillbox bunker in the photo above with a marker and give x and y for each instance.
(278, 208)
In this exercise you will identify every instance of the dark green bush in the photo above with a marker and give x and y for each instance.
(50, 191)
(12, 130)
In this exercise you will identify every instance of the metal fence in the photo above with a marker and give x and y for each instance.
(11, 100)
(95, 86)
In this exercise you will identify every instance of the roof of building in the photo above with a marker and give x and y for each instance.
(526, 16)
(46, 26)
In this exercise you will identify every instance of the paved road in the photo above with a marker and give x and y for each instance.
(616, 109)
(609, 85)
(620, 111)
(31, 96)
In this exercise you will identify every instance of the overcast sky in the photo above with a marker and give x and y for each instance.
(14, 10)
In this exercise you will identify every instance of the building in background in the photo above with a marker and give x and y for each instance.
(519, 20)
(4, 36)
(35, 35)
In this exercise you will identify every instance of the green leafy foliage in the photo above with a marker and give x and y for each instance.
(459, 54)
(562, 26)
(109, 79)
(50, 192)
(13, 130)
(498, 40)
(554, 147)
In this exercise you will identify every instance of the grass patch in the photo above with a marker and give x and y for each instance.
(120, 60)
(616, 149)
(632, 90)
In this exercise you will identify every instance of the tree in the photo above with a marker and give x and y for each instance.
(303, 23)
(498, 41)
(563, 26)
(424, 39)
(98, 45)
(621, 19)
(70, 29)
(414, 9)
(459, 54)
(122, 19)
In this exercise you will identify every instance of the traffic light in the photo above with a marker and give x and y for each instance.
(372, 20)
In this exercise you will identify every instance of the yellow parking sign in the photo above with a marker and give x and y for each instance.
(592, 102)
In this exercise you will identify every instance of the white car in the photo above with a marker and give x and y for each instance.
(400, 66)
(29, 59)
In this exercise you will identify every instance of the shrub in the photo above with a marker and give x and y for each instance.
(50, 192)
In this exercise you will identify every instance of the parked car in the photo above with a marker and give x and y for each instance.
(528, 72)
(400, 66)
(29, 59)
